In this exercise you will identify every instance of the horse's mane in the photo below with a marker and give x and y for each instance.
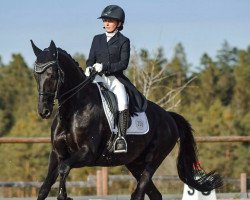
(67, 54)
(72, 59)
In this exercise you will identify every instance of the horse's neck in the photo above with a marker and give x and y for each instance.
(80, 89)
(86, 97)
(72, 79)
(91, 94)
(85, 94)
(72, 76)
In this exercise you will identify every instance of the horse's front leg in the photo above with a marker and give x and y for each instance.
(62, 195)
(77, 159)
(50, 178)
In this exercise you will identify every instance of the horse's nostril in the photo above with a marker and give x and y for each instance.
(46, 112)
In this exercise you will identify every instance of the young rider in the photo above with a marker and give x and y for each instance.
(109, 55)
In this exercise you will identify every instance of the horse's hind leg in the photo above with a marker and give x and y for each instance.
(152, 192)
(50, 178)
(145, 183)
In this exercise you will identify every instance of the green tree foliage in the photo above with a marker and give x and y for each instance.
(1, 63)
(16, 85)
(242, 76)
(208, 78)
(19, 118)
(178, 66)
(158, 80)
(218, 104)
(227, 58)
(147, 73)
(80, 58)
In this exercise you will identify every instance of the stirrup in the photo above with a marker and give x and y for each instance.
(124, 150)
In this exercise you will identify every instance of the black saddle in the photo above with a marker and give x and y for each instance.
(111, 100)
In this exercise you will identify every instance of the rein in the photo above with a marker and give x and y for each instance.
(77, 88)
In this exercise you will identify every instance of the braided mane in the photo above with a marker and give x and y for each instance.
(67, 54)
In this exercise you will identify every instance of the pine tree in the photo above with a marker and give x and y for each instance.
(178, 66)
(227, 58)
(208, 80)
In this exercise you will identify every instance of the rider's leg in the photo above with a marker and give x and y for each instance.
(121, 144)
(115, 86)
(119, 90)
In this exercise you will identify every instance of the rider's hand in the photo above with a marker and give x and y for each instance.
(98, 67)
(88, 70)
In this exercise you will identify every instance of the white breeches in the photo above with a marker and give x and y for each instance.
(115, 86)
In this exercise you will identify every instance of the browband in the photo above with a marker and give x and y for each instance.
(41, 67)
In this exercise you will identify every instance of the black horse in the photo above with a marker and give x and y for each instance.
(80, 131)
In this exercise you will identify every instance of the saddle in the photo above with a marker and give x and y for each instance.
(138, 124)
(110, 100)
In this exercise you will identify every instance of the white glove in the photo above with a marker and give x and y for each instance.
(88, 70)
(98, 67)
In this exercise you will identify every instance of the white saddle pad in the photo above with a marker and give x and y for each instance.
(139, 125)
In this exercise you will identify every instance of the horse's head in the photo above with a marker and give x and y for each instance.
(46, 72)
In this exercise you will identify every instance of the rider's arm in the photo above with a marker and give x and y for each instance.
(92, 54)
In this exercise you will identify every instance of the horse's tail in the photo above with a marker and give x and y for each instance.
(187, 159)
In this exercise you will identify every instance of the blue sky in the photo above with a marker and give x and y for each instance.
(201, 26)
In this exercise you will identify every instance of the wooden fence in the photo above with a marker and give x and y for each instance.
(197, 139)
(102, 181)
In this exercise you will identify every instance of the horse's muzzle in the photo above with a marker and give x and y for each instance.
(45, 111)
(45, 114)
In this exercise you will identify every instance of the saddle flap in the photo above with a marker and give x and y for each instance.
(110, 99)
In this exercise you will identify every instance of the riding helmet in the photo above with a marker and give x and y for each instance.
(113, 12)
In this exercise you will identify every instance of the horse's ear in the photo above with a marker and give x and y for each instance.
(36, 50)
(52, 48)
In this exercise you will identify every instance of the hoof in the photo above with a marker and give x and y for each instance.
(61, 197)
(136, 197)
(43, 193)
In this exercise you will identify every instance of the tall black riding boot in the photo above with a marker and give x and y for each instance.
(120, 145)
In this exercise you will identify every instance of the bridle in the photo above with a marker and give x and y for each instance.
(40, 68)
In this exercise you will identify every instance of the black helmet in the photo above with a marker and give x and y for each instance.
(113, 12)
